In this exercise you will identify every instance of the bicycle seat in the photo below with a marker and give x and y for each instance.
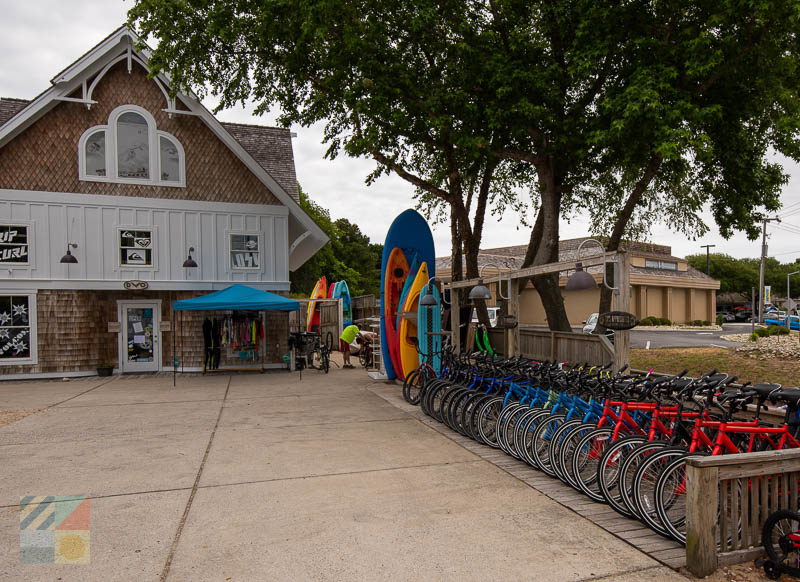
(790, 396)
(764, 389)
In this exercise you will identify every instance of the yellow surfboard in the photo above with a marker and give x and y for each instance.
(408, 326)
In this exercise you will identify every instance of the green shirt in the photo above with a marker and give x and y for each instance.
(349, 333)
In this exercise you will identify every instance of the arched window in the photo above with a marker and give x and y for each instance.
(133, 146)
(130, 150)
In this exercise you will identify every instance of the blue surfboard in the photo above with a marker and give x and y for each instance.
(343, 291)
(413, 269)
(410, 232)
(429, 321)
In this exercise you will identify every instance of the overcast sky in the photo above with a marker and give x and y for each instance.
(38, 38)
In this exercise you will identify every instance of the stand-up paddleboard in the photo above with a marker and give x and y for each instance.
(413, 269)
(410, 233)
(342, 291)
(392, 287)
(409, 360)
(429, 321)
(320, 292)
(332, 290)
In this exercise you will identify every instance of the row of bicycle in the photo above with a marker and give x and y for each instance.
(620, 438)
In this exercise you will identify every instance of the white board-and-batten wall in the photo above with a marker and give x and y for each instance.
(94, 222)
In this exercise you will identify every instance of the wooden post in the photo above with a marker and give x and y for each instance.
(622, 301)
(512, 335)
(455, 319)
(702, 499)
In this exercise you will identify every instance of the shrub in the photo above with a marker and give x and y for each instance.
(647, 321)
(753, 337)
(720, 320)
(762, 332)
(777, 330)
(706, 322)
(664, 321)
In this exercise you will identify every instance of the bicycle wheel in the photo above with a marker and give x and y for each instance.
(608, 475)
(627, 471)
(586, 461)
(557, 443)
(510, 429)
(486, 421)
(644, 486)
(670, 499)
(475, 417)
(325, 360)
(780, 538)
(540, 443)
(523, 433)
(329, 341)
(502, 420)
(466, 410)
(569, 448)
(413, 386)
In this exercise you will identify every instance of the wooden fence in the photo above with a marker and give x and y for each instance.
(364, 307)
(728, 498)
(556, 346)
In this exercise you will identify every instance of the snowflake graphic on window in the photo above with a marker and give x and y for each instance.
(19, 310)
(5, 318)
(19, 347)
(3, 334)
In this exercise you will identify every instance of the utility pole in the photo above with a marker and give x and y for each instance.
(763, 269)
(708, 257)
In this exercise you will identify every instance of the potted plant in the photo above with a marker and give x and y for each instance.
(105, 369)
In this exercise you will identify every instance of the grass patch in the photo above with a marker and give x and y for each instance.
(701, 360)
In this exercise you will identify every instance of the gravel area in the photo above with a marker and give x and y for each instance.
(9, 416)
(786, 347)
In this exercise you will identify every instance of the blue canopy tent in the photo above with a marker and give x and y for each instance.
(233, 298)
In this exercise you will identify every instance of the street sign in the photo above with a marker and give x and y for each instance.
(618, 320)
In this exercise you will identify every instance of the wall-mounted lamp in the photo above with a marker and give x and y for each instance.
(481, 291)
(69, 258)
(429, 299)
(580, 279)
(190, 263)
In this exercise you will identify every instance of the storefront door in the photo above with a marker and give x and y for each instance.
(140, 345)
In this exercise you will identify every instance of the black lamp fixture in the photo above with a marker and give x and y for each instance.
(481, 291)
(429, 300)
(69, 258)
(580, 279)
(190, 263)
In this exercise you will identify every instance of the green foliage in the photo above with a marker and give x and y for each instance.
(348, 256)
(650, 320)
(720, 320)
(741, 275)
(777, 330)
(754, 337)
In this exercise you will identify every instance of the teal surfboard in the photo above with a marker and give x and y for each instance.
(429, 321)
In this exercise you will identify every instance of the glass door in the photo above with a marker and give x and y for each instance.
(140, 337)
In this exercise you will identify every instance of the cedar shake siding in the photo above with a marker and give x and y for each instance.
(73, 336)
(45, 156)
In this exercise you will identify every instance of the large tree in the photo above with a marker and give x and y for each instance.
(645, 95)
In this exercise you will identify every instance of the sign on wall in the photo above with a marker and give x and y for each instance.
(13, 244)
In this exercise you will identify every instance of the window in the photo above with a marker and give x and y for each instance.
(17, 329)
(668, 265)
(13, 244)
(133, 147)
(170, 160)
(135, 248)
(245, 251)
(130, 150)
(96, 153)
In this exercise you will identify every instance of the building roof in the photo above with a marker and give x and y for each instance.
(271, 147)
(511, 258)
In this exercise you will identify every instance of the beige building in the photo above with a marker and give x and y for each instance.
(662, 285)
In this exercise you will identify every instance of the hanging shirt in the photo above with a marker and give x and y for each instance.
(349, 333)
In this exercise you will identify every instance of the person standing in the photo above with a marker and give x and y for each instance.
(348, 335)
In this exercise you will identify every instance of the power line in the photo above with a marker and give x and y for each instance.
(786, 253)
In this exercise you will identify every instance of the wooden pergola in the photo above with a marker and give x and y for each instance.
(621, 297)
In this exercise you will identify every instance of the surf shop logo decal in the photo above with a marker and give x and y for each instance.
(54, 530)
(13, 244)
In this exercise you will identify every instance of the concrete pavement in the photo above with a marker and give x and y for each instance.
(273, 477)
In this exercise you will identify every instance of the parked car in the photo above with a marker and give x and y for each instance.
(742, 315)
(727, 316)
(590, 323)
(494, 313)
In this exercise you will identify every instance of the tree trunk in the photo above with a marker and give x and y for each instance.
(543, 249)
(621, 223)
